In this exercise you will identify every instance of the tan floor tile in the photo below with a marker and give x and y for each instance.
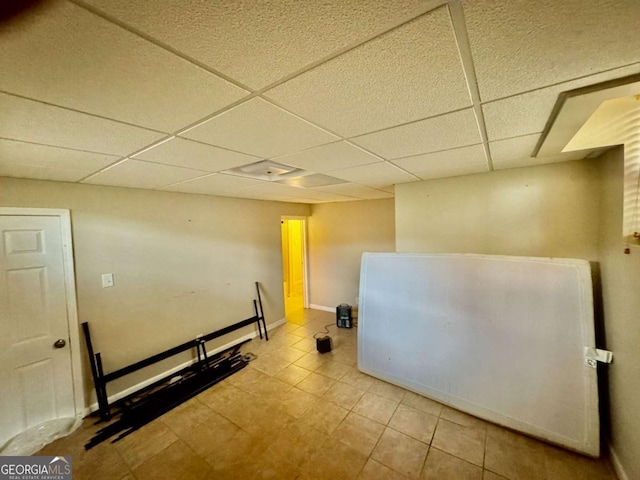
(376, 471)
(359, 432)
(268, 469)
(333, 463)
(376, 407)
(306, 345)
(290, 354)
(177, 461)
(220, 396)
(316, 384)
(206, 439)
(292, 374)
(442, 466)
(311, 361)
(231, 459)
(324, 416)
(387, 390)
(102, 462)
(487, 475)
(421, 403)
(332, 369)
(245, 376)
(145, 443)
(295, 444)
(414, 423)
(514, 456)
(267, 387)
(357, 379)
(269, 363)
(187, 416)
(297, 402)
(571, 466)
(343, 395)
(400, 453)
(462, 442)
(461, 418)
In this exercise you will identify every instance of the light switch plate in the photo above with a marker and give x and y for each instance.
(107, 280)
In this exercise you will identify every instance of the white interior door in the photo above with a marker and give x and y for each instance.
(36, 378)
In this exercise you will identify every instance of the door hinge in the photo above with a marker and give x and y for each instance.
(595, 355)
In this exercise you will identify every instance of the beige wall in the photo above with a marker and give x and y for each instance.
(182, 264)
(338, 235)
(620, 275)
(549, 210)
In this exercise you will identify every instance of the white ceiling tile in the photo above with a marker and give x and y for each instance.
(36, 122)
(374, 174)
(259, 42)
(503, 151)
(312, 180)
(27, 160)
(448, 163)
(139, 174)
(212, 184)
(68, 56)
(521, 45)
(410, 73)
(187, 153)
(530, 161)
(356, 191)
(329, 157)
(529, 112)
(448, 131)
(259, 128)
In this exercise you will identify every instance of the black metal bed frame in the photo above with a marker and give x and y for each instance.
(148, 403)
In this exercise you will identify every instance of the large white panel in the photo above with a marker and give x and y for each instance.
(260, 128)
(375, 175)
(67, 56)
(448, 131)
(329, 157)
(502, 338)
(139, 174)
(28, 160)
(410, 73)
(516, 152)
(521, 45)
(356, 191)
(212, 184)
(36, 122)
(259, 42)
(448, 163)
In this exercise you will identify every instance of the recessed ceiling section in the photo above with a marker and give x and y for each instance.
(453, 130)
(518, 152)
(216, 184)
(258, 43)
(139, 174)
(448, 163)
(330, 157)
(180, 152)
(28, 160)
(267, 170)
(312, 180)
(375, 174)
(356, 191)
(70, 57)
(385, 82)
(37, 122)
(522, 45)
(259, 128)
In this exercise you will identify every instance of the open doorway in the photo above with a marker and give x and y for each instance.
(294, 266)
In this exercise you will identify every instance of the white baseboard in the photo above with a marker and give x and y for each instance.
(617, 466)
(117, 396)
(322, 307)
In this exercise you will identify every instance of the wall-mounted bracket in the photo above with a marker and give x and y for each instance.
(595, 355)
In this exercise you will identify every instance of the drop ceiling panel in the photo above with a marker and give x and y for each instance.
(448, 163)
(78, 60)
(260, 128)
(515, 152)
(138, 174)
(448, 131)
(28, 160)
(329, 157)
(212, 184)
(187, 153)
(36, 122)
(313, 180)
(528, 113)
(258, 43)
(410, 73)
(374, 175)
(356, 191)
(522, 45)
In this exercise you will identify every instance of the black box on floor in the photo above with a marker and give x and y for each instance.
(343, 316)
(323, 344)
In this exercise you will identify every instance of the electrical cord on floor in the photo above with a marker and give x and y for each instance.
(326, 330)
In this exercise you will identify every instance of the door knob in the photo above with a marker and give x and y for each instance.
(60, 343)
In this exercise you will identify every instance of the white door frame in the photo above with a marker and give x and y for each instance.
(305, 256)
(70, 289)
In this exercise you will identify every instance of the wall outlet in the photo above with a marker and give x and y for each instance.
(107, 280)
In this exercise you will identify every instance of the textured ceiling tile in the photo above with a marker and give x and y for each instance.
(410, 73)
(36, 122)
(254, 42)
(186, 153)
(374, 175)
(356, 191)
(212, 184)
(27, 160)
(529, 112)
(449, 163)
(138, 174)
(329, 157)
(521, 45)
(313, 180)
(259, 128)
(441, 133)
(78, 60)
(530, 161)
(513, 148)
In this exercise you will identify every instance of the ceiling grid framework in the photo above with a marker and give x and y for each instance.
(364, 93)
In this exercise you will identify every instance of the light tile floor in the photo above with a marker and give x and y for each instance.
(296, 414)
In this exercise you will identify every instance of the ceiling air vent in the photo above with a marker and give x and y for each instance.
(267, 170)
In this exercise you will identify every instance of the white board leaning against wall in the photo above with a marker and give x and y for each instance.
(502, 338)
